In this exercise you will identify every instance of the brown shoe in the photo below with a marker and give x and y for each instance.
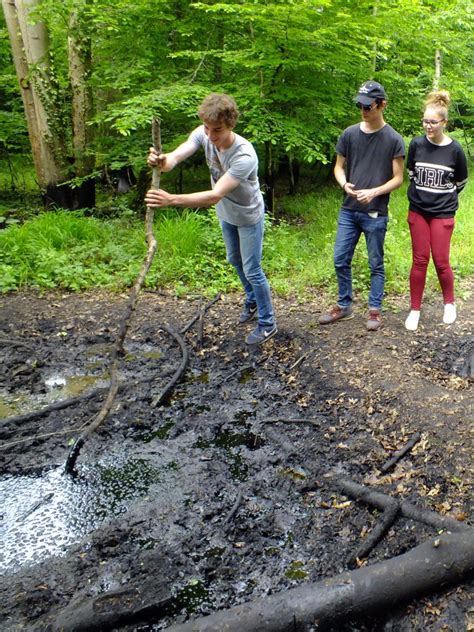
(374, 321)
(336, 313)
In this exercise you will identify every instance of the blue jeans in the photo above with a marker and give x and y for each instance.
(350, 225)
(244, 251)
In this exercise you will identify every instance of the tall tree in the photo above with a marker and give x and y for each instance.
(80, 68)
(31, 53)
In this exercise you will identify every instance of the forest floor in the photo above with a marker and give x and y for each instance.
(222, 494)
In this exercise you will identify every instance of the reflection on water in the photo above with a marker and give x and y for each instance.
(43, 515)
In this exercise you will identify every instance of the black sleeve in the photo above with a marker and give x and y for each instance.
(460, 170)
(411, 159)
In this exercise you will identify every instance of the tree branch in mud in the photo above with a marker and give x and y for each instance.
(199, 316)
(407, 510)
(400, 453)
(233, 511)
(11, 342)
(301, 359)
(439, 562)
(384, 523)
(179, 371)
(125, 322)
(37, 414)
(240, 371)
(297, 420)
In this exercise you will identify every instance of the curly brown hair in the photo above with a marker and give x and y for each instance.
(219, 108)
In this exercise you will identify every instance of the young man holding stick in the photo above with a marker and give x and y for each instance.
(235, 190)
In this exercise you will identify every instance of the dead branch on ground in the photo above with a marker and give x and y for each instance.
(199, 315)
(233, 511)
(179, 371)
(65, 403)
(400, 453)
(407, 510)
(385, 521)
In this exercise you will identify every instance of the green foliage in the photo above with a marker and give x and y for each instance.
(293, 67)
(72, 251)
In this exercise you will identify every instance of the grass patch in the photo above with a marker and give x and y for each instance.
(71, 250)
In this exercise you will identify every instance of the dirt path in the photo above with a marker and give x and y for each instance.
(220, 495)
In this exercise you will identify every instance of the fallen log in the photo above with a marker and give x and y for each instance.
(432, 566)
(65, 403)
(113, 610)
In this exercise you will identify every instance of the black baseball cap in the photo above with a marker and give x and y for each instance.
(368, 92)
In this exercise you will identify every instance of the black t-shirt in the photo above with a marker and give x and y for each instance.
(437, 174)
(369, 163)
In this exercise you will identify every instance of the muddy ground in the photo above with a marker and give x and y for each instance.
(221, 494)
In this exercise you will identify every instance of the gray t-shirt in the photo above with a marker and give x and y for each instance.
(369, 163)
(244, 205)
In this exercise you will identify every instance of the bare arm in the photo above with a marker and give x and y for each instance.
(365, 196)
(224, 185)
(340, 175)
(169, 161)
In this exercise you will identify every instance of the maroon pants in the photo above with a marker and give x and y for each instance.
(430, 236)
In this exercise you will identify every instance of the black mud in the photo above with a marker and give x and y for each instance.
(221, 495)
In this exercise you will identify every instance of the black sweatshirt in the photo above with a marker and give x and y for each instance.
(437, 174)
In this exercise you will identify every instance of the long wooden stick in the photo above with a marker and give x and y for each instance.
(125, 322)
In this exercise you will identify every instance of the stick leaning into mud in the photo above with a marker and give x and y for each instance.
(125, 322)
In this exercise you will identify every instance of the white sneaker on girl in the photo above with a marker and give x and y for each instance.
(449, 315)
(412, 320)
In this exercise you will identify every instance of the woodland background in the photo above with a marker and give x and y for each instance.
(93, 73)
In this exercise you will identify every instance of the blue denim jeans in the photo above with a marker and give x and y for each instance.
(244, 251)
(350, 225)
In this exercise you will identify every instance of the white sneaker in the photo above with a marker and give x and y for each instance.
(412, 320)
(449, 315)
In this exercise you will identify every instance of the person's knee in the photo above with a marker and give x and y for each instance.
(421, 260)
(254, 273)
(441, 265)
(234, 259)
(377, 266)
(341, 260)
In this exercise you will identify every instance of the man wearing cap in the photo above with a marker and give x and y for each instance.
(369, 165)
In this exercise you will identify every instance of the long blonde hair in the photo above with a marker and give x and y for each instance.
(439, 100)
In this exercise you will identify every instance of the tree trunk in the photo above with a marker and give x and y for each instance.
(437, 72)
(429, 567)
(27, 90)
(46, 129)
(80, 67)
(269, 177)
(51, 171)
